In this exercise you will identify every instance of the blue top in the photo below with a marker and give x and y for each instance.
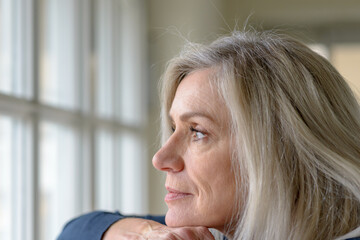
(92, 226)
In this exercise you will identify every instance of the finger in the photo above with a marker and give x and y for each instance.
(204, 233)
(181, 233)
(208, 234)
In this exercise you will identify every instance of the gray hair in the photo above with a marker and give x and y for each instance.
(296, 127)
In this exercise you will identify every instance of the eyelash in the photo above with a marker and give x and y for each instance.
(195, 131)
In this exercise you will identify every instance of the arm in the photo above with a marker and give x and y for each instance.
(111, 226)
(89, 226)
(140, 229)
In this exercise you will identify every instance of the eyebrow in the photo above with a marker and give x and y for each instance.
(188, 115)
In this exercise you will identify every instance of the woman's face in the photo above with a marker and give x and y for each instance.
(196, 157)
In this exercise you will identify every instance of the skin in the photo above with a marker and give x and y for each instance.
(140, 229)
(196, 157)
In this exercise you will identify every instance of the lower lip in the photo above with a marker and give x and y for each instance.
(175, 196)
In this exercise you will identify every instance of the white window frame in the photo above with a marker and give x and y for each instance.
(27, 107)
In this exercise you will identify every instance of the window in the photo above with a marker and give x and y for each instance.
(72, 112)
(59, 185)
(346, 57)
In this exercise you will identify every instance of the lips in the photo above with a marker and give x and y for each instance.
(175, 195)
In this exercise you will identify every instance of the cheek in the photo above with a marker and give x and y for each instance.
(208, 173)
(216, 187)
(213, 178)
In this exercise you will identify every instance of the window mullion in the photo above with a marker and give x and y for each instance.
(91, 93)
(15, 175)
(34, 117)
(34, 143)
(85, 104)
(29, 171)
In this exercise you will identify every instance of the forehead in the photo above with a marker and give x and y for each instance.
(196, 93)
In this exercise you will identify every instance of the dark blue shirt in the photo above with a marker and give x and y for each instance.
(93, 225)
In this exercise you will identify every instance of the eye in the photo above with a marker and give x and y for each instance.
(172, 129)
(198, 135)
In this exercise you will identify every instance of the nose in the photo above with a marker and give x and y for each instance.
(169, 158)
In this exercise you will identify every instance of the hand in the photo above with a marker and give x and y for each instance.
(141, 229)
(180, 233)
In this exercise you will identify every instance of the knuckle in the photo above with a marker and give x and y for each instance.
(204, 230)
(145, 226)
(169, 236)
(129, 236)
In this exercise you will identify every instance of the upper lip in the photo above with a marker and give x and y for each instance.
(172, 190)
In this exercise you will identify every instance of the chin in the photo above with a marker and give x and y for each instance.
(174, 219)
(178, 218)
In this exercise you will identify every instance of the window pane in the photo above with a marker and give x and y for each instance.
(346, 58)
(16, 52)
(6, 203)
(60, 181)
(134, 74)
(121, 172)
(105, 170)
(107, 46)
(120, 84)
(16, 182)
(5, 46)
(60, 59)
(134, 166)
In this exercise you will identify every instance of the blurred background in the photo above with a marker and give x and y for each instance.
(79, 94)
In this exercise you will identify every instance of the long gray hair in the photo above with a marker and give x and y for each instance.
(296, 127)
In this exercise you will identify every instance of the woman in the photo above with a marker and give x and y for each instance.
(261, 141)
